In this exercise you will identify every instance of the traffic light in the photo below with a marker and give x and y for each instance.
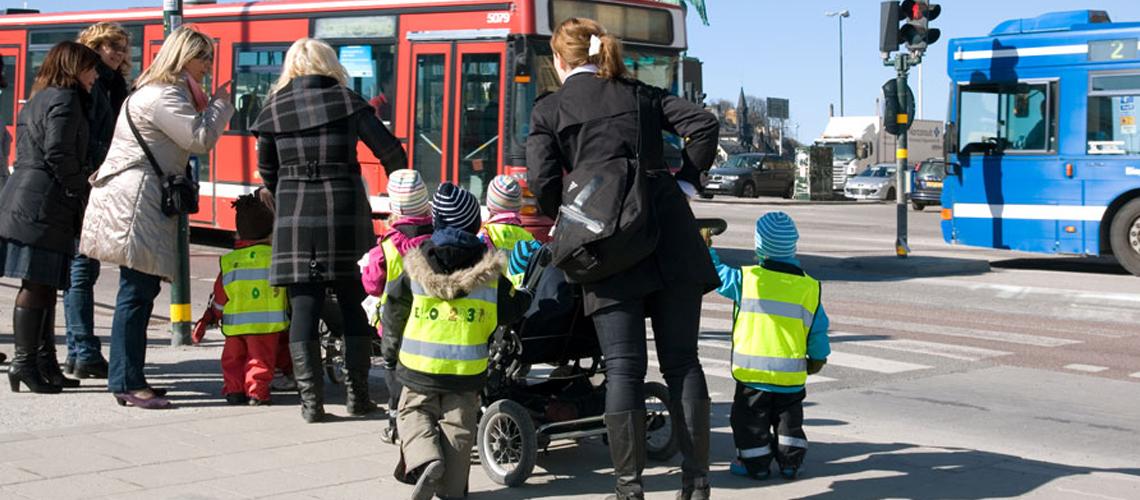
(917, 33)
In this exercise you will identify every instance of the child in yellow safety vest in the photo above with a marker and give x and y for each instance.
(411, 226)
(438, 321)
(505, 228)
(779, 336)
(252, 313)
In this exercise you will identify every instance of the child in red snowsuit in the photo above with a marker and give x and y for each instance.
(254, 316)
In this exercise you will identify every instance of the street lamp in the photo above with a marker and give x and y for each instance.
(840, 14)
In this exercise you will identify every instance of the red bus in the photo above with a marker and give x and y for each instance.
(455, 80)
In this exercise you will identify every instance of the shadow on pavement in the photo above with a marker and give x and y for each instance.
(1090, 265)
(875, 268)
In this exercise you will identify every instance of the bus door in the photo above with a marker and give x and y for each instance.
(8, 101)
(429, 132)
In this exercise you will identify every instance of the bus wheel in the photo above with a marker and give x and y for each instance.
(1124, 236)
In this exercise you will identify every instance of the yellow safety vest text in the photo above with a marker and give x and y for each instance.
(449, 337)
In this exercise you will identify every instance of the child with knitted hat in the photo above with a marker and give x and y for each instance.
(504, 229)
(411, 226)
(779, 336)
(252, 313)
(439, 318)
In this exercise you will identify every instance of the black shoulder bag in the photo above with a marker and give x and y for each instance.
(179, 191)
(606, 223)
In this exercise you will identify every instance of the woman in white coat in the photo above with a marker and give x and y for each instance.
(124, 223)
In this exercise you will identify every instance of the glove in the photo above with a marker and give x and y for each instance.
(208, 319)
(815, 365)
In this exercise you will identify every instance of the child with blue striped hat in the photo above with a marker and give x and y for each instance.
(779, 336)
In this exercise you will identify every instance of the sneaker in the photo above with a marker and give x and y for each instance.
(237, 398)
(283, 383)
(259, 402)
(389, 435)
(737, 468)
(428, 481)
(790, 472)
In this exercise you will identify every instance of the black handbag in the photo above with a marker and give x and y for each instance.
(179, 191)
(606, 223)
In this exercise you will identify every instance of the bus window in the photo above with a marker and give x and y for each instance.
(255, 72)
(39, 43)
(8, 95)
(479, 128)
(372, 74)
(1007, 118)
(1112, 114)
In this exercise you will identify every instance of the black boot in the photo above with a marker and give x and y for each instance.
(310, 378)
(693, 438)
(357, 363)
(27, 324)
(627, 451)
(47, 361)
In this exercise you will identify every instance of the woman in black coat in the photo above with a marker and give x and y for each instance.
(41, 208)
(307, 136)
(593, 118)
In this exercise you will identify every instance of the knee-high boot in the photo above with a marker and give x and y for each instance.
(627, 450)
(27, 324)
(46, 359)
(693, 437)
(358, 362)
(310, 378)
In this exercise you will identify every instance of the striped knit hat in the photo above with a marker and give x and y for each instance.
(521, 255)
(505, 195)
(407, 195)
(456, 207)
(776, 236)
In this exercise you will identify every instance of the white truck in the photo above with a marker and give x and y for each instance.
(859, 141)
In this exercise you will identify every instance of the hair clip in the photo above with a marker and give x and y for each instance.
(595, 45)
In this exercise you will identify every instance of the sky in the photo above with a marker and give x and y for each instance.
(789, 49)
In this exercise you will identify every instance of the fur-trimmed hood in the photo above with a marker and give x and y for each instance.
(456, 284)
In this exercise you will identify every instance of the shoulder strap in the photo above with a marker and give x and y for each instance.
(139, 139)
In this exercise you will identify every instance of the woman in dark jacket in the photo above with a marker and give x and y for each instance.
(112, 43)
(41, 208)
(307, 136)
(592, 118)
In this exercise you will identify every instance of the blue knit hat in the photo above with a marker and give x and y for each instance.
(456, 207)
(776, 236)
(521, 255)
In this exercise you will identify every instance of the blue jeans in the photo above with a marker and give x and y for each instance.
(79, 311)
(133, 307)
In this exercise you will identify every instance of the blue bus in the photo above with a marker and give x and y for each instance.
(1042, 139)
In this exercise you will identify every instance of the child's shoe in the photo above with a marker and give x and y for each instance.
(737, 468)
(790, 472)
(258, 402)
(428, 480)
(237, 398)
(389, 435)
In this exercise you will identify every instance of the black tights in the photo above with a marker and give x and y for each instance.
(676, 315)
(35, 296)
(308, 299)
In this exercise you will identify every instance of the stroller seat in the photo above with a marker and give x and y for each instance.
(554, 329)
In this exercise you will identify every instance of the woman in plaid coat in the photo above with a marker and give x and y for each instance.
(307, 135)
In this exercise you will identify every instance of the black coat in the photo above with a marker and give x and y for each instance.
(107, 96)
(307, 136)
(594, 119)
(42, 203)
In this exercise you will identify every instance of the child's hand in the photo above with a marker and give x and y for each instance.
(208, 319)
(815, 365)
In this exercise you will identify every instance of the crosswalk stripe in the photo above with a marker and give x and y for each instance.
(954, 331)
(1086, 368)
(716, 324)
(716, 306)
(964, 353)
(870, 363)
(723, 370)
(1135, 375)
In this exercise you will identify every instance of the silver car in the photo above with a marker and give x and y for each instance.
(876, 182)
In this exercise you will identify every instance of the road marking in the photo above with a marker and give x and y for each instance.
(1016, 291)
(1087, 368)
(954, 331)
(963, 353)
(717, 306)
(724, 371)
(872, 364)
(818, 379)
(716, 324)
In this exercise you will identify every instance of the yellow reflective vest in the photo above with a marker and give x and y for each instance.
(393, 264)
(449, 337)
(504, 237)
(252, 306)
(769, 339)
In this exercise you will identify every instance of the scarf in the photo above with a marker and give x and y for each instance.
(197, 95)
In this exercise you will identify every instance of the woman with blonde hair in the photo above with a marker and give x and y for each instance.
(112, 43)
(601, 119)
(125, 223)
(306, 153)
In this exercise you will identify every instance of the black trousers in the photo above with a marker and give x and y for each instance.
(307, 300)
(767, 424)
(676, 315)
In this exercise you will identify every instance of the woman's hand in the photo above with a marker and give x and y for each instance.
(222, 93)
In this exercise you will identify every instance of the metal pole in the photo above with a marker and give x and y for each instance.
(841, 111)
(180, 289)
(918, 112)
(902, 249)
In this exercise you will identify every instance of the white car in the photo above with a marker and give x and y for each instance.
(876, 182)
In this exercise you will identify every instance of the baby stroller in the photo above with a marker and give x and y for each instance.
(539, 382)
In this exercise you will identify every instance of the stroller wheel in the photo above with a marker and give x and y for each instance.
(507, 442)
(660, 438)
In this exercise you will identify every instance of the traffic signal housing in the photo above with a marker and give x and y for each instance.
(896, 116)
(888, 27)
(915, 31)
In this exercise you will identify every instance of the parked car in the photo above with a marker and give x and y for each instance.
(876, 182)
(749, 175)
(928, 184)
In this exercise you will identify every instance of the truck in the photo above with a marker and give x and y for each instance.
(857, 142)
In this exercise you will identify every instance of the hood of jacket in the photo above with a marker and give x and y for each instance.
(307, 102)
(423, 266)
(409, 232)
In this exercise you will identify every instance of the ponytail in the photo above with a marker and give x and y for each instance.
(572, 43)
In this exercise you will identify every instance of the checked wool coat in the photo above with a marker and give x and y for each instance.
(307, 135)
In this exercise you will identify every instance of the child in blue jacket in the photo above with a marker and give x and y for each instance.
(779, 337)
